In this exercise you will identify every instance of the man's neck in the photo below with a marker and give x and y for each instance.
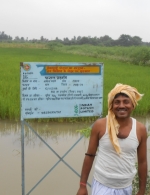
(124, 121)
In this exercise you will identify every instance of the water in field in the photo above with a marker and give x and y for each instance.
(40, 160)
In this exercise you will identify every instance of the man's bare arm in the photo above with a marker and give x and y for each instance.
(88, 160)
(142, 161)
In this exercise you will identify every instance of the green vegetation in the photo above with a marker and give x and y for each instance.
(135, 55)
(118, 68)
(123, 40)
(115, 71)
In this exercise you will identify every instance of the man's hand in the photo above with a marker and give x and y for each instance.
(82, 191)
(140, 193)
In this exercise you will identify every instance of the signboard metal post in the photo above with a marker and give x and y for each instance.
(54, 90)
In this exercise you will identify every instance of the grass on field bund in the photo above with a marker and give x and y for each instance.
(115, 71)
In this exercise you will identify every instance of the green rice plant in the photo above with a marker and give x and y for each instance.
(85, 132)
(114, 72)
(10, 59)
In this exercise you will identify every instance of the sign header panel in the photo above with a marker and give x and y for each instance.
(53, 90)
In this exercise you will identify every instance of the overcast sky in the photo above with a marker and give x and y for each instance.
(69, 18)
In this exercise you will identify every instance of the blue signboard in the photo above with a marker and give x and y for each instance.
(66, 89)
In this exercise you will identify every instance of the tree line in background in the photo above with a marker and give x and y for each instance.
(123, 40)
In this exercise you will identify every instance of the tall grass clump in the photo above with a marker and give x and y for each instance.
(136, 55)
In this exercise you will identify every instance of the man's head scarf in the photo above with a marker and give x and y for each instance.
(112, 123)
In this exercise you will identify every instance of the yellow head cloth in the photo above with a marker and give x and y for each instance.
(112, 124)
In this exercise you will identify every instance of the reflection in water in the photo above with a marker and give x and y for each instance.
(39, 159)
(52, 129)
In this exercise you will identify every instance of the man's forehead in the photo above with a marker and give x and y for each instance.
(121, 94)
(121, 97)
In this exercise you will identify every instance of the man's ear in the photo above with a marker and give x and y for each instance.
(133, 106)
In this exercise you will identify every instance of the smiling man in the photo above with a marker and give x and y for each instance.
(119, 138)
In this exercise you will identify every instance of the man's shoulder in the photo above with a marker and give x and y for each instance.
(141, 129)
(101, 121)
(140, 125)
(99, 127)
